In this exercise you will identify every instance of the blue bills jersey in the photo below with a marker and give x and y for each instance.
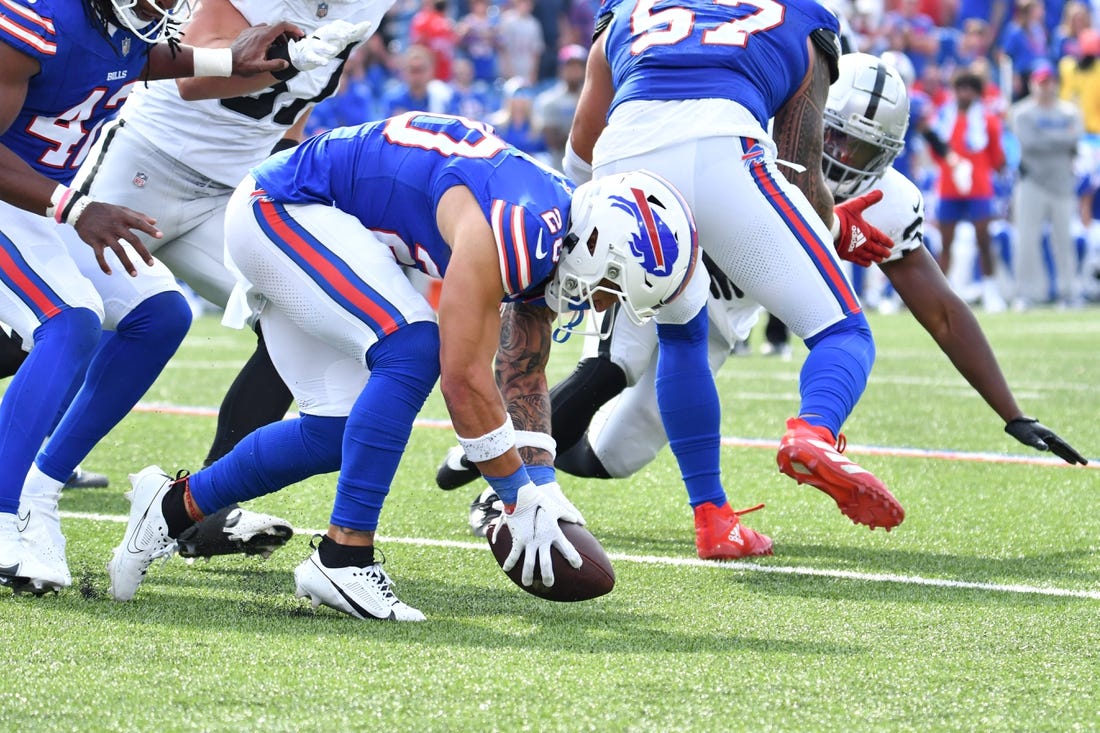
(83, 79)
(754, 53)
(390, 175)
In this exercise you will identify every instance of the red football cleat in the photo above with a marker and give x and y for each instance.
(810, 455)
(719, 534)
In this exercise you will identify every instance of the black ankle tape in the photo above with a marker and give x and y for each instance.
(335, 555)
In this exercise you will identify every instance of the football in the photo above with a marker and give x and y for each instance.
(595, 577)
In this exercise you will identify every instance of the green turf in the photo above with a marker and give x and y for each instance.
(224, 645)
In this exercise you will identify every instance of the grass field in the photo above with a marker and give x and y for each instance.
(980, 612)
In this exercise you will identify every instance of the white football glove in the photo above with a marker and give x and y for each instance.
(326, 43)
(533, 524)
(568, 512)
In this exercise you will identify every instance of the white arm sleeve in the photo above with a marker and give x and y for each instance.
(574, 166)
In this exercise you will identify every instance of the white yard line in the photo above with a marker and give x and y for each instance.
(1036, 459)
(714, 565)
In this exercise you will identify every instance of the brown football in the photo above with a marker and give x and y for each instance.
(595, 577)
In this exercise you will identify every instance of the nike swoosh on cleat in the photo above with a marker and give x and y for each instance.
(131, 547)
(23, 521)
(10, 570)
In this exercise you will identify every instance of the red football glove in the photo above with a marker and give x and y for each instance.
(856, 240)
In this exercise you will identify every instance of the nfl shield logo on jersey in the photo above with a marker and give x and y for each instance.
(322, 10)
(140, 179)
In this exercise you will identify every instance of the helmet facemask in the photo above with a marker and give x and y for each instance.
(158, 29)
(866, 118)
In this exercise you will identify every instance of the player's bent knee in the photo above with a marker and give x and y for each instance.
(79, 327)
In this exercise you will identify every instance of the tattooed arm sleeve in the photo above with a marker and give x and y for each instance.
(521, 371)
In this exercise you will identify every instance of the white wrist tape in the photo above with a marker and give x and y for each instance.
(542, 441)
(66, 205)
(213, 61)
(835, 228)
(491, 445)
(574, 165)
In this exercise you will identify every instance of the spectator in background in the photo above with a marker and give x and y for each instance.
(521, 42)
(512, 121)
(992, 12)
(1081, 79)
(1048, 130)
(477, 39)
(910, 31)
(973, 43)
(418, 90)
(581, 22)
(965, 143)
(472, 97)
(1025, 41)
(433, 29)
(555, 107)
(550, 15)
(1075, 19)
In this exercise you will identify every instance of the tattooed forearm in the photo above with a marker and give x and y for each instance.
(521, 370)
(798, 132)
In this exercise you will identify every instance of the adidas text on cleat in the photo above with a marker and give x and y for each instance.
(365, 593)
(485, 510)
(234, 530)
(146, 536)
(457, 470)
(719, 534)
(809, 455)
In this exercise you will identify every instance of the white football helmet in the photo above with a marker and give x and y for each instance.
(150, 30)
(630, 235)
(866, 117)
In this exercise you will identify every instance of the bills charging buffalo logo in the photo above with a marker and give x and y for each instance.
(322, 10)
(662, 251)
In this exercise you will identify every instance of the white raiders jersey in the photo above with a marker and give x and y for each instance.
(900, 214)
(223, 138)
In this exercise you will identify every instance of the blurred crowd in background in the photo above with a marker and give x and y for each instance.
(1004, 134)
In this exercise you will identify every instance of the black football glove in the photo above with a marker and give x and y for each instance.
(1030, 431)
(721, 287)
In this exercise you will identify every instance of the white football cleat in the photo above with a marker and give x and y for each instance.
(365, 593)
(146, 536)
(11, 548)
(39, 525)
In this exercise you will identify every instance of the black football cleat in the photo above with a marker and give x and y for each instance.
(457, 470)
(232, 531)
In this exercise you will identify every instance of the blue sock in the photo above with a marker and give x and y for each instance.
(122, 369)
(404, 367)
(62, 347)
(835, 373)
(266, 460)
(689, 406)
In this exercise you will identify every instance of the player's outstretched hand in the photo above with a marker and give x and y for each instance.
(105, 226)
(855, 239)
(533, 524)
(1031, 432)
(326, 43)
(250, 48)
